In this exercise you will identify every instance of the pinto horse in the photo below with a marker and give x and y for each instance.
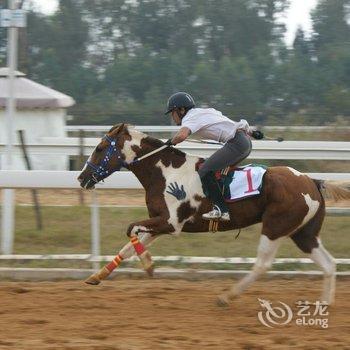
(290, 205)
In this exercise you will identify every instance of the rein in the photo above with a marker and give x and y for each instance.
(101, 171)
(205, 141)
(149, 154)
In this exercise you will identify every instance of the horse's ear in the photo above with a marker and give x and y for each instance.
(117, 128)
(120, 127)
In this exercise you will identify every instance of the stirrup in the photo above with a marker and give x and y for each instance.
(216, 214)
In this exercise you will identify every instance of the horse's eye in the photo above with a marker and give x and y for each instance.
(98, 149)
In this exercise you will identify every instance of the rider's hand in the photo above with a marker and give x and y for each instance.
(257, 135)
(169, 143)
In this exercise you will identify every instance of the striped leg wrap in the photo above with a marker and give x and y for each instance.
(143, 254)
(114, 263)
(138, 246)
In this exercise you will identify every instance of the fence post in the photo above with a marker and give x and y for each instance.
(81, 162)
(39, 221)
(8, 207)
(8, 220)
(95, 230)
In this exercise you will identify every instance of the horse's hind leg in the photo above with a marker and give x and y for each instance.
(322, 258)
(267, 250)
(306, 239)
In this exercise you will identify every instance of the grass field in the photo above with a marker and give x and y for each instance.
(67, 231)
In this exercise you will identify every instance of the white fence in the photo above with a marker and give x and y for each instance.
(70, 146)
(170, 128)
(55, 273)
(118, 180)
(169, 258)
(68, 179)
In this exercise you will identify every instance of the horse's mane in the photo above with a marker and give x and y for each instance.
(156, 143)
(151, 141)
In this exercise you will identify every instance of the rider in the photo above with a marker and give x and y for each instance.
(209, 123)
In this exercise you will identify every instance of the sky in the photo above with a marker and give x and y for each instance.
(297, 15)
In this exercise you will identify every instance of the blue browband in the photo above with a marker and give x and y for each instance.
(101, 171)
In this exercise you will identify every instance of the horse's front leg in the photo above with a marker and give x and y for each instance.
(142, 233)
(154, 226)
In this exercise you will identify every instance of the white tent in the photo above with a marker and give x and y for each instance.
(40, 112)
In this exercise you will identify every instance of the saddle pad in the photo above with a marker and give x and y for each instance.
(244, 182)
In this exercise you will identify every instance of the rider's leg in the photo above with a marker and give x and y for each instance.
(233, 152)
(213, 192)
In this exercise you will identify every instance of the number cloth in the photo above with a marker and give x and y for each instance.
(243, 182)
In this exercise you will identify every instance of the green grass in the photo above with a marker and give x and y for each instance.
(67, 230)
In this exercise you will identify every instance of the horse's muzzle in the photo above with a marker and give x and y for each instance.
(88, 183)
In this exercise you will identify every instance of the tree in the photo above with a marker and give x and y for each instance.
(332, 52)
(3, 39)
(301, 45)
(238, 87)
(57, 51)
(330, 23)
(122, 59)
(235, 28)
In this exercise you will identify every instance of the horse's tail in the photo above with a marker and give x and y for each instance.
(331, 191)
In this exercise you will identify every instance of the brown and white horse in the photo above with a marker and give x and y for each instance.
(290, 205)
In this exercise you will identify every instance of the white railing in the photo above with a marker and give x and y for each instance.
(118, 180)
(70, 146)
(169, 258)
(105, 128)
(171, 128)
(68, 179)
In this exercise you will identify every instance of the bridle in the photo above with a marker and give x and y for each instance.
(101, 171)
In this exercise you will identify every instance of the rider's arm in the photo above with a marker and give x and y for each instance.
(181, 135)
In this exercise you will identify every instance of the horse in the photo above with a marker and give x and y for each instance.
(291, 204)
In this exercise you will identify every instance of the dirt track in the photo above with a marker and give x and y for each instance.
(161, 314)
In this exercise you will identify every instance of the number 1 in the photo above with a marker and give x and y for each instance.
(249, 180)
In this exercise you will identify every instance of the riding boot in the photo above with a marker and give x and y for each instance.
(212, 190)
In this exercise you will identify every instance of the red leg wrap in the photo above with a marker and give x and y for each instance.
(138, 246)
(114, 263)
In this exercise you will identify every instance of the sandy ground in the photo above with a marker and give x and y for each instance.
(162, 314)
(73, 197)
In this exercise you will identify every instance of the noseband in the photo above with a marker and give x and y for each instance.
(101, 171)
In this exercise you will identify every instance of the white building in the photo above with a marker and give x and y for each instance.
(40, 112)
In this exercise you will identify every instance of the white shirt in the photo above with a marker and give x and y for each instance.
(208, 123)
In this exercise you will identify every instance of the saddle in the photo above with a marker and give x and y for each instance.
(239, 182)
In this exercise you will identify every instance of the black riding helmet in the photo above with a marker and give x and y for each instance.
(180, 100)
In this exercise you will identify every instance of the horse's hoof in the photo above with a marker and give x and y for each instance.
(150, 270)
(223, 300)
(93, 280)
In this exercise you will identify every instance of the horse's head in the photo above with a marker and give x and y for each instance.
(110, 155)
